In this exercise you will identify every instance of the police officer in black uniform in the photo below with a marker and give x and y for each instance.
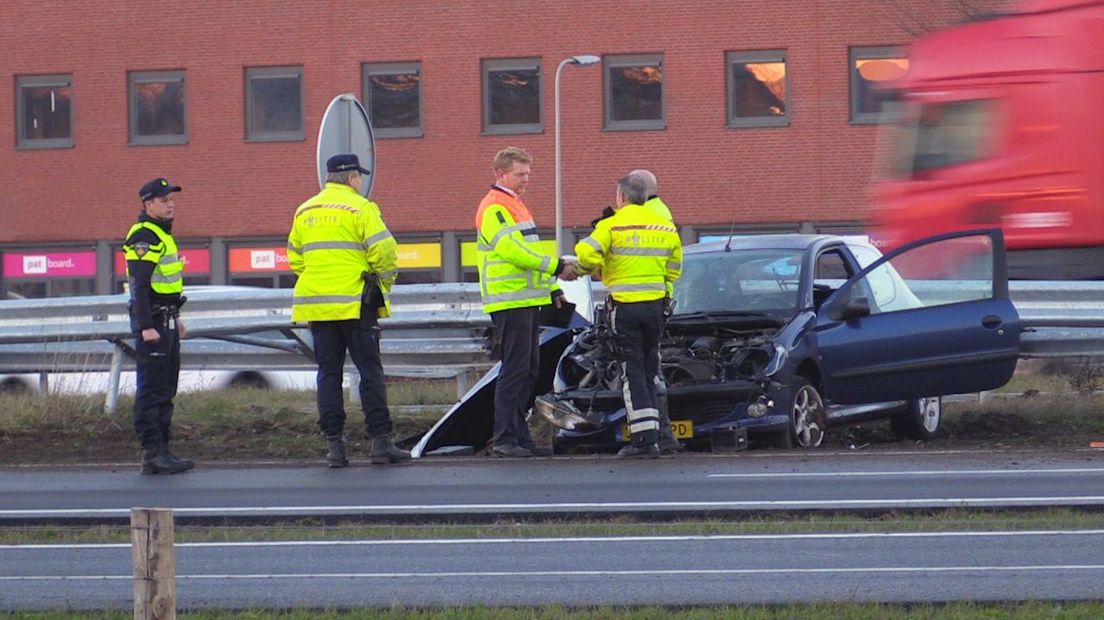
(156, 280)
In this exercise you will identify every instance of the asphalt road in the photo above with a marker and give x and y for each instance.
(818, 480)
(677, 570)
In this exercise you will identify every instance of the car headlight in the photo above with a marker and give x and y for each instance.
(563, 414)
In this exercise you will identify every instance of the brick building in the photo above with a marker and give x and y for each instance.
(755, 113)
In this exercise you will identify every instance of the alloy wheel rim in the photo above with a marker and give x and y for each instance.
(806, 422)
(930, 413)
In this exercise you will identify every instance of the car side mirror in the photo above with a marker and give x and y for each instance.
(854, 308)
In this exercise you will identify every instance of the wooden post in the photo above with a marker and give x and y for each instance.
(151, 538)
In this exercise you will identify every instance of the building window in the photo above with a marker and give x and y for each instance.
(44, 115)
(512, 96)
(871, 69)
(157, 107)
(634, 92)
(273, 103)
(393, 96)
(757, 89)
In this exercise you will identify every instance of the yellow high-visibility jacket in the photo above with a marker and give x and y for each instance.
(639, 252)
(168, 275)
(657, 206)
(337, 236)
(514, 271)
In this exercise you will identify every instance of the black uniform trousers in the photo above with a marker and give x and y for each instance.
(158, 372)
(360, 337)
(637, 328)
(519, 334)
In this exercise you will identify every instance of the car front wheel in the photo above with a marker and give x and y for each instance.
(807, 417)
(920, 420)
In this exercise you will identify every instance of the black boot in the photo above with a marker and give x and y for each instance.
(668, 443)
(643, 446)
(335, 457)
(639, 451)
(187, 463)
(384, 452)
(155, 460)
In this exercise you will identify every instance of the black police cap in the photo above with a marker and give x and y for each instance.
(157, 188)
(345, 163)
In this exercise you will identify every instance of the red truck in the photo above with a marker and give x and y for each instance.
(1000, 123)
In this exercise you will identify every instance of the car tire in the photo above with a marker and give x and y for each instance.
(249, 379)
(808, 422)
(921, 420)
(14, 386)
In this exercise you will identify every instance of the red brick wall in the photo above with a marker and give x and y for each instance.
(813, 170)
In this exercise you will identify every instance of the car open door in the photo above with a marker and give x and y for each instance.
(929, 319)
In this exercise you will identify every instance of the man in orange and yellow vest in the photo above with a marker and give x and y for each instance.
(516, 277)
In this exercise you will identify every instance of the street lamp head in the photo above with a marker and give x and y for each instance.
(584, 60)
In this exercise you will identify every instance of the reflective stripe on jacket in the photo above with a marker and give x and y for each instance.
(168, 275)
(336, 237)
(514, 271)
(639, 252)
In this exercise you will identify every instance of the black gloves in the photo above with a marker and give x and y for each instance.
(606, 212)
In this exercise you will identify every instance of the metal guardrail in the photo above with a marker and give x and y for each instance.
(1061, 318)
(437, 330)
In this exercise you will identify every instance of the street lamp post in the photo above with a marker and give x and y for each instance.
(574, 60)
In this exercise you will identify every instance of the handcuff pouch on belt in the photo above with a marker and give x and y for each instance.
(372, 297)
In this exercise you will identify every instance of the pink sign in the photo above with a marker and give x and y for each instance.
(50, 265)
(195, 261)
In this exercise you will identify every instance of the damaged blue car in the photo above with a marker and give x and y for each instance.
(780, 337)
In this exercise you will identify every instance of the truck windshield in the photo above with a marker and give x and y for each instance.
(931, 136)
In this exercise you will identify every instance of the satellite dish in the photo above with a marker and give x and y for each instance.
(346, 129)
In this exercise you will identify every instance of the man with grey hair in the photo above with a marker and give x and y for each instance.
(651, 187)
(640, 256)
(668, 443)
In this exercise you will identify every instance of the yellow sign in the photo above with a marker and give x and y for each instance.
(684, 429)
(468, 251)
(419, 255)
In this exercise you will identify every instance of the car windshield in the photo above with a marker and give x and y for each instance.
(755, 281)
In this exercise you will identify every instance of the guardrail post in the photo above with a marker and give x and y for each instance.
(465, 379)
(113, 379)
(151, 538)
(352, 380)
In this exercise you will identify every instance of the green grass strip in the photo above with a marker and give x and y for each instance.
(309, 530)
(1031, 610)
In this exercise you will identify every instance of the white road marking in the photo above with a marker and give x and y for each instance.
(575, 539)
(935, 502)
(594, 573)
(930, 472)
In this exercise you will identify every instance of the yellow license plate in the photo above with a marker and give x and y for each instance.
(684, 429)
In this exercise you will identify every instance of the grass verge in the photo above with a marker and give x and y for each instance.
(1030, 610)
(314, 529)
(247, 424)
(215, 425)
